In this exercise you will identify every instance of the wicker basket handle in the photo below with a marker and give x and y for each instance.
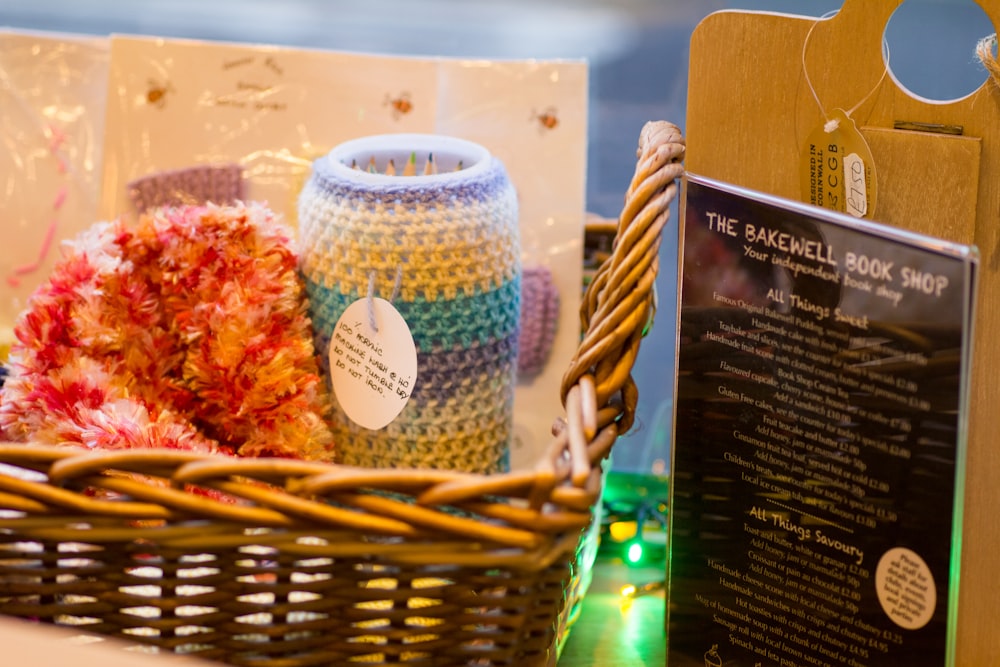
(598, 390)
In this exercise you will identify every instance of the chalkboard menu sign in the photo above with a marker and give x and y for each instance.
(817, 472)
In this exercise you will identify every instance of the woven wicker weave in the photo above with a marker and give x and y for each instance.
(285, 563)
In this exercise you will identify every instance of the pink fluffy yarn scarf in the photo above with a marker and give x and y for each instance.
(189, 331)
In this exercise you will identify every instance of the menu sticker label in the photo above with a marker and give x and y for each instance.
(817, 459)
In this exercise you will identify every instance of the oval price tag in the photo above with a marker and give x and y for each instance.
(373, 372)
(837, 168)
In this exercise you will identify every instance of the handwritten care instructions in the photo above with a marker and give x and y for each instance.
(816, 481)
(373, 362)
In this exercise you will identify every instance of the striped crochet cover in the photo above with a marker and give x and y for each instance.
(443, 247)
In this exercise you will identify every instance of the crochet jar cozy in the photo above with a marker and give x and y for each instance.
(442, 245)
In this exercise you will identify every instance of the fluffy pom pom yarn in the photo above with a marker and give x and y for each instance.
(188, 332)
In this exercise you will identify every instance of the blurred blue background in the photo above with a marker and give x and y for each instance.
(638, 55)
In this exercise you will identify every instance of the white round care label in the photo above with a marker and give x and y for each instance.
(905, 588)
(373, 370)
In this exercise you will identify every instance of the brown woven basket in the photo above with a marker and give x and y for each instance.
(323, 564)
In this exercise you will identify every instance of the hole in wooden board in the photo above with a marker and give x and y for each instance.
(932, 48)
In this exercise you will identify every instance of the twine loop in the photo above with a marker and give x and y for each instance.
(831, 124)
(986, 53)
(371, 294)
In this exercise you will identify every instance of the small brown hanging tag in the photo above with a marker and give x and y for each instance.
(838, 171)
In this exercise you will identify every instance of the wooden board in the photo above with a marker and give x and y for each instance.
(749, 113)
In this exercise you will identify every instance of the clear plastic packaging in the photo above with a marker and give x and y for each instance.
(52, 94)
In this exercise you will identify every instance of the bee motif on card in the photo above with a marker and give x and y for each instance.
(547, 119)
(400, 105)
(156, 94)
(272, 65)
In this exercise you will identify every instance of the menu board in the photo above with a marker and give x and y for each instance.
(816, 484)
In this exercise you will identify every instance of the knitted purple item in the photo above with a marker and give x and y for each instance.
(216, 184)
(539, 318)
